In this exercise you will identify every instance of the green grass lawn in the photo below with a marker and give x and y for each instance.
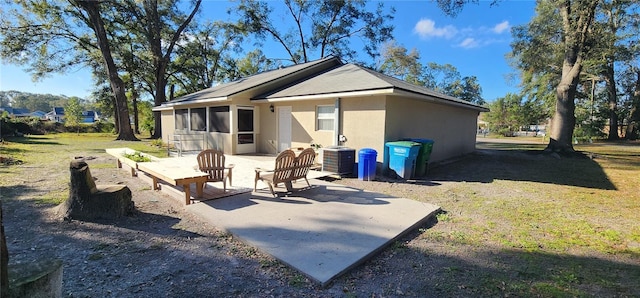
(552, 226)
(539, 225)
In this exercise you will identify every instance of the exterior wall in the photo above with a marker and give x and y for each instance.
(363, 123)
(367, 122)
(168, 125)
(452, 129)
(303, 126)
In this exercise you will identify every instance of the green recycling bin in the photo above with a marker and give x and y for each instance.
(422, 161)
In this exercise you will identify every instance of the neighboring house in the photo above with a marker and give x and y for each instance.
(323, 102)
(56, 115)
(38, 114)
(90, 116)
(15, 112)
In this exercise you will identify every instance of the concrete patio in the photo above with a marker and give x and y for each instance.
(322, 231)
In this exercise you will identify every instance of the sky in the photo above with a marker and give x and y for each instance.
(475, 42)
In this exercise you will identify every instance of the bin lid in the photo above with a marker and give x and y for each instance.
(367, 151)
(402, 144)
(419, 140)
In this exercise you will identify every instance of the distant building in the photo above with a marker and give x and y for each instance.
(90, 116)
(57, 115)
(15, 112)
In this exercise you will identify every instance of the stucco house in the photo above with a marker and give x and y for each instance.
(323, 102)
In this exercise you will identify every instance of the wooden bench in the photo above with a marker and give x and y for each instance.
(175, 174)
(119, 154)
(288, 168)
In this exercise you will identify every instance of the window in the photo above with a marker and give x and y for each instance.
(181, 119)
(325, 116)
(219, 119)
(245, 120)
(198, 119)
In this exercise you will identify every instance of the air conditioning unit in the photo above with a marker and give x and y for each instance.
(338, 159)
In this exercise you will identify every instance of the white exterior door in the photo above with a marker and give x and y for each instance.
(284, 128)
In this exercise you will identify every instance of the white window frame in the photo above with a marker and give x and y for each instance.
(325, 116)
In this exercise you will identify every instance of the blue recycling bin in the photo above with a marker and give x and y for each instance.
(422, 162)
(367, 164)
(402, 156)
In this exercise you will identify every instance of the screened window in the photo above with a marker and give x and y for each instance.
(245, 120)
(198, 119)
(325, 117)
(181, 119)
(219, 119)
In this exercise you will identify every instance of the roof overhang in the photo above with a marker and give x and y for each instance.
(373, 92)
(171, 105)
(361, 93)
(444, 101)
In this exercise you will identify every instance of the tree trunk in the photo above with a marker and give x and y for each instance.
(4, 260)
(134, 102)
(576, 22)
(160, 98)
(161, 60)
(609, 78)
(634, 114)
(125, 132)
(564, 120)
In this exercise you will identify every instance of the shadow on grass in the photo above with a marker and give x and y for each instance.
(445, 266)
(523, 163)
(33, 140)
(10, 192)
(503, 273)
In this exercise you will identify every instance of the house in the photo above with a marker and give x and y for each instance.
(39, 114)
(16, 112)
(90, 117)
(323, 102)
(56, 115)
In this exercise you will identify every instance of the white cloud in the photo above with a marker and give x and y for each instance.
(499, 28)
(469, 43)
(427, 28)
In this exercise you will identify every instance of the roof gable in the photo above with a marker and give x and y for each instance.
(351, 78)
(266, 78)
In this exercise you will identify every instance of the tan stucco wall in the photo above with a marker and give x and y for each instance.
(363, 123)
(452, 129)
(367, 122)
(303, 115)
(168, 125)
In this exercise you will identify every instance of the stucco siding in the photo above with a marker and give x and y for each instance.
(452, 129)
(363, 123)
(168, 125)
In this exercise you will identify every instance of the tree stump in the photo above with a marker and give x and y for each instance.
(88, 201)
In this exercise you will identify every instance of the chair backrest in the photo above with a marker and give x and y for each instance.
(211, 161)
(285, 163)
(304, 161)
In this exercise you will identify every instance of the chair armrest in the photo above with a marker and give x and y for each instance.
(229, 166)
(258, 170)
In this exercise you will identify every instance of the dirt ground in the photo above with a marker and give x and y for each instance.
(164, 251)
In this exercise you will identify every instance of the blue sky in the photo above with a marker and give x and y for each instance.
(475, 42)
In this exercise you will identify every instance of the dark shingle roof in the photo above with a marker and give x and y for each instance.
(244, 84)
(353, 78)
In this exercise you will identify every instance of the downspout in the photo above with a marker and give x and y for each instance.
(336, 124)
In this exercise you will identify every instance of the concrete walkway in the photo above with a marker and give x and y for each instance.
(322, 231)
